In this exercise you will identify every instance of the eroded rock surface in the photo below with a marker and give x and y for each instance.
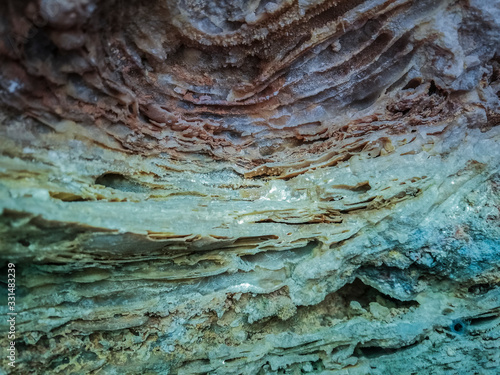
(254, 187)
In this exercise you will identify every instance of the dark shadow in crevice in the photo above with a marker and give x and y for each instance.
(364, 294)
(378, 351)
(120, 182)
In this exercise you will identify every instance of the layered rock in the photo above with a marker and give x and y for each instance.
(252, 187)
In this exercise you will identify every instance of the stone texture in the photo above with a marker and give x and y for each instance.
(254, 187)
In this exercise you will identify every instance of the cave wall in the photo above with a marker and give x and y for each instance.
(251, 187)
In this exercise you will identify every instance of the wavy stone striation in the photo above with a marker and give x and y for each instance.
(252, 187)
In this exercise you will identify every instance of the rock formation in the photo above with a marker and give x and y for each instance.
(251, 187)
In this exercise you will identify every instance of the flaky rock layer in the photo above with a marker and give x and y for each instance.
(252, 187)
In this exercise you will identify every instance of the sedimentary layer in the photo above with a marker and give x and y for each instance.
(252, 187)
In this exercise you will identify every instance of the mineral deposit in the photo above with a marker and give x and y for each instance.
(251, 187)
